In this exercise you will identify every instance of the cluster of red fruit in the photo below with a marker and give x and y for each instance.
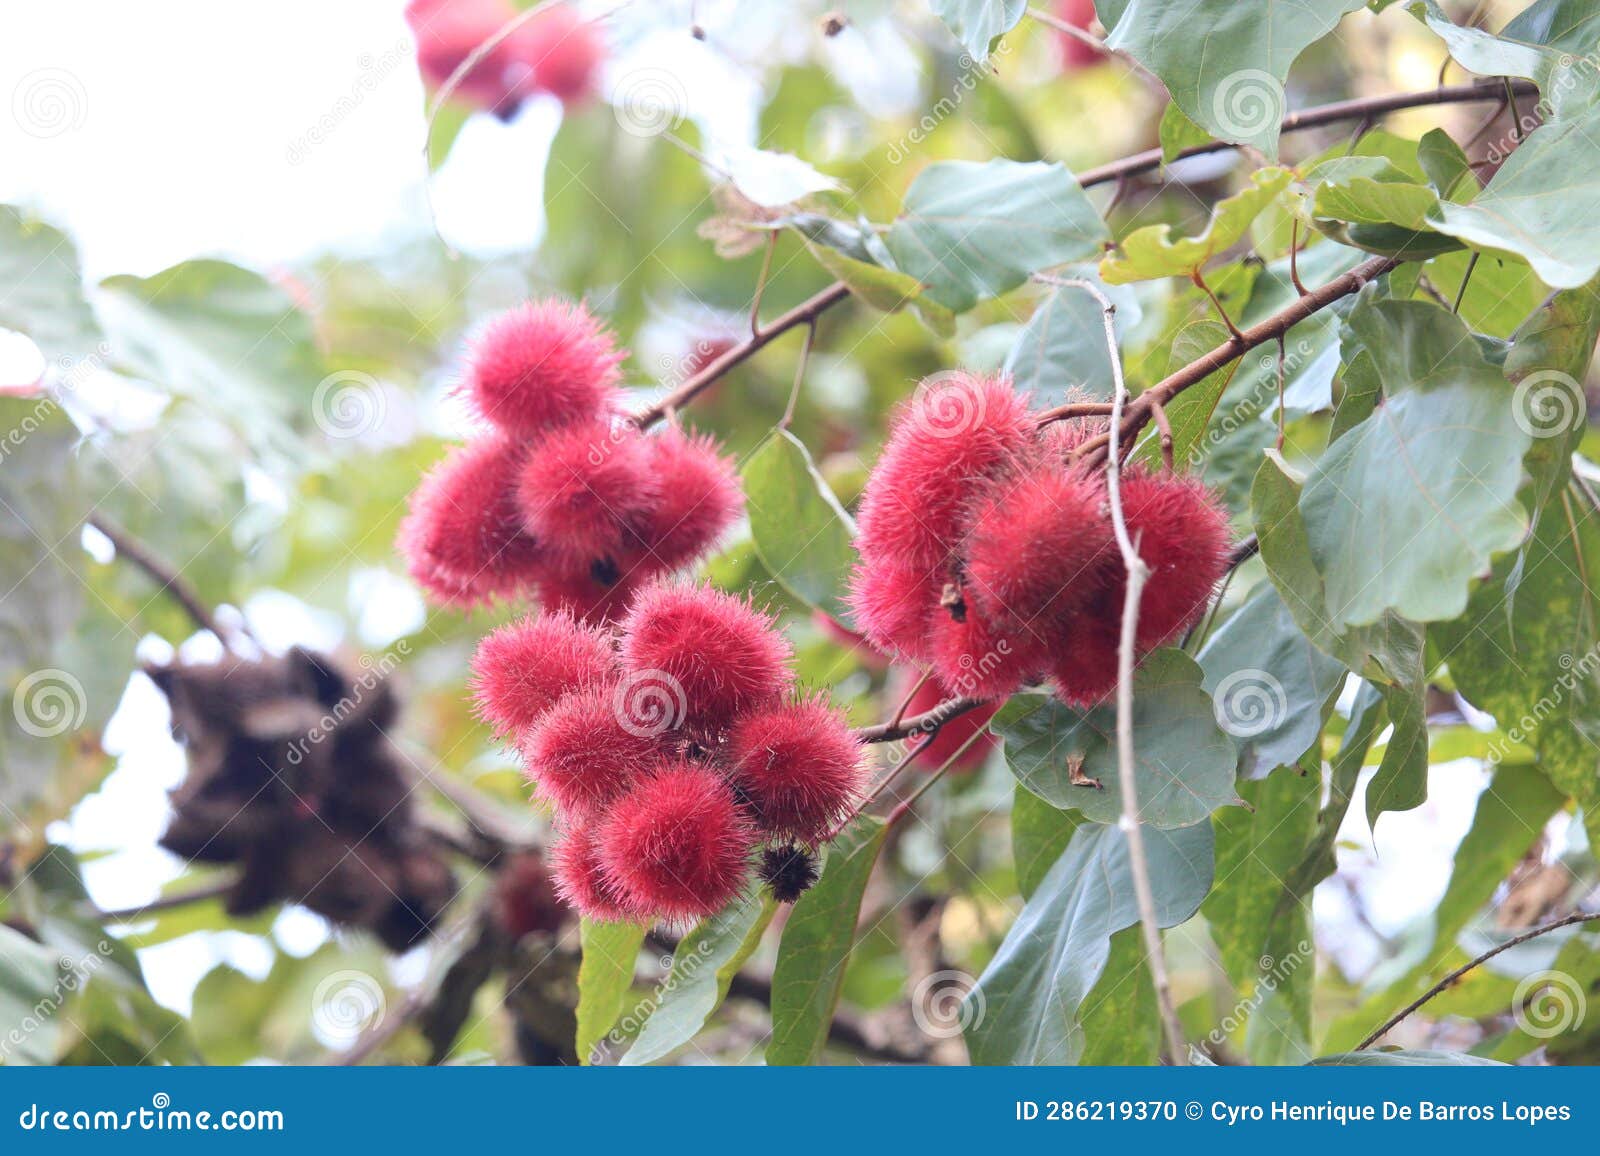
(564, 496)
(557, 52)
(988, 553)
(672, 748)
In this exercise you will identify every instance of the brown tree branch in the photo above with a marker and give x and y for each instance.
(213, 890)
(1450, 979)
(166, 576)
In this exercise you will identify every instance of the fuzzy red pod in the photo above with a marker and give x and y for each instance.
(523, 667)
(447, 32)
(953, 735)
(677, 844)
(597, 593)
(542, 365)
(698, 497)
(582, 486)
(558, 52)
(585, 751)
(719, 654)
(525, 897)
(1183, 536)
(798, 768)
(893, 606)
(582, 880)
(1084, 670)
(977, 658)
(956, 430)
(1040, 546)
(462, 538)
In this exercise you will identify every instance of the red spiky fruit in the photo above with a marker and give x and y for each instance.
(582, 486)
(977, 658)
(1040, 547)
(522, 668)
(447, 32)
(558, 52)
(955, 431)
(582, 880)
(1183, 536)
(598, 593)
(584, 752)
(893, 606)
(542, 365)
(698, 497)
(950, 738)
(462, 538)
(798, 768)
(1084, 670)
(525, 899)
(715, 650)
(677, 844)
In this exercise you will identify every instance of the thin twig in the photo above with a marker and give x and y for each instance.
(1450, 979)
(1164, 430)
(905, 703)
(799, 373)
(216, 889)
(926, 723)
(761, 284)
(172, 583)
(1466, 279)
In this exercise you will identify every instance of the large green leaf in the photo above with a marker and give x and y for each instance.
(1406, 509)
(1120, 1018)
(1184, 764)
(1039, 833)
(1152, 252)
(1062, 353)
(816, 945)
(1224, 61)
(1541, 204)
(43, 294)
(703, 965)
(1404, 1059)
(801, 532)
(31, 995)
(1262, 928)
(971, 231)
(977, 22)
(1548, 363)
(1026, 1006)
(1521, 50)
(605, 976)
(1272, 687)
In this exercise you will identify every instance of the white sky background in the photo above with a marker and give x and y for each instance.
(179, 128)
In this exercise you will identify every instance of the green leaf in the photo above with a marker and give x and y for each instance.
(1184, 764)
(1548, 363)
(44, 295)
(1404, 1059)
(1026, 1006)
(1039, 833)
(1261, 927)
(1272, 687)
(801, 532)
(1566, 85)
(1177, 132)
(1151, 252)
(976, 23)
(1447, 166)
(1406, 509)
(972, 231)
(1191, 412)
(1061, 352)
(703, 965)
(1225, 61)
(816, 945)
(605, 977)
(1120, 1018)
(1540, 204)
(31, 995)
